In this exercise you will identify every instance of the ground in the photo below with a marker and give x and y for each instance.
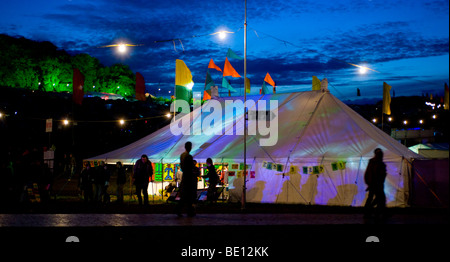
(279, 229)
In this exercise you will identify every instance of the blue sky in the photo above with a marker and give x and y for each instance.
(406, 42)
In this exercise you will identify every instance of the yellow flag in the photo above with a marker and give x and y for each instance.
(247, 85)
(183, 76)
(316, 83)
(386, 99)
(446, 97)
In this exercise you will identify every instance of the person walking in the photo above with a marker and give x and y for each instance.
(374, 177)
(188, 185)
(143, 172)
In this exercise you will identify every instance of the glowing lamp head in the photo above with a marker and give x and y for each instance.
(65, 122)
(362, 70)
(190, 85)
(121, 121)
(122, 48)
(222, 35)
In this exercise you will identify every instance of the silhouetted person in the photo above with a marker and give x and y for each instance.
(374, 177)
(143, 171)
(101, 180)
(85, 182)
(213, 179)
(121, 179)
(188, 185)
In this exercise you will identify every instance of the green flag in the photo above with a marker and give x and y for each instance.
(208, 82)
(227, 85)
(264, 89)
(231, 54)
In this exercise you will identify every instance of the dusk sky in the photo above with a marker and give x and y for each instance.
(405, 42)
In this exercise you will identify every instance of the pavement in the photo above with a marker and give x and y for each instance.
(279, 230)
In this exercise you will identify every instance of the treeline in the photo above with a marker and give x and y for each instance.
(42, 66)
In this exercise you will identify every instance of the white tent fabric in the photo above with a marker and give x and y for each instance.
(316, 132)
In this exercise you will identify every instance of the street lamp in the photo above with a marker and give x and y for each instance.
(122, 48)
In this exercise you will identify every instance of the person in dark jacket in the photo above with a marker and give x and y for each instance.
(85, 182)
(213, 179)
(121, 180)
(143, 172)
(188, 185)
(101, 180)
(374, 177)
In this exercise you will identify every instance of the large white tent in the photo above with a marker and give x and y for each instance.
(320, 156)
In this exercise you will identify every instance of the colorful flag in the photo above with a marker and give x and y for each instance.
(269, 80)
(315, 83)
(208, 82)
(264, 89)
(446, 97)
(140, 87)
(386, 99)
(183, 81)
(78, 83)
(227, 85)
(231, 54)
(214, 66)
(228, 70)
(247, 85)
(206, 95)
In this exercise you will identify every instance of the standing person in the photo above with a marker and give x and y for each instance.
(101, 181)
(85, 183)
(374, 177)
(121, 180)
(72, 165)
(188, 184)
(213, 180)
(143, 171)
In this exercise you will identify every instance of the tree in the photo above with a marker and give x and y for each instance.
(56, 75)
(118, 79)
(89, 67)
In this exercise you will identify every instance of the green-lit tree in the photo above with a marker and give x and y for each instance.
(41, 66)
(89, 67)
(118, 79)
(56, 75)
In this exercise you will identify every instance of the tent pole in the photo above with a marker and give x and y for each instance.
(244, 189)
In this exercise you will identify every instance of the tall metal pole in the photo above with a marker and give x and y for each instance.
(244, 189)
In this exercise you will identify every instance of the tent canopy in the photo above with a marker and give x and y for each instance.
(312, 125)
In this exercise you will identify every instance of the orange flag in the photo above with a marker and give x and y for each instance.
(269, 80)
(212, 65)
(206, 95)
(228, 70)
